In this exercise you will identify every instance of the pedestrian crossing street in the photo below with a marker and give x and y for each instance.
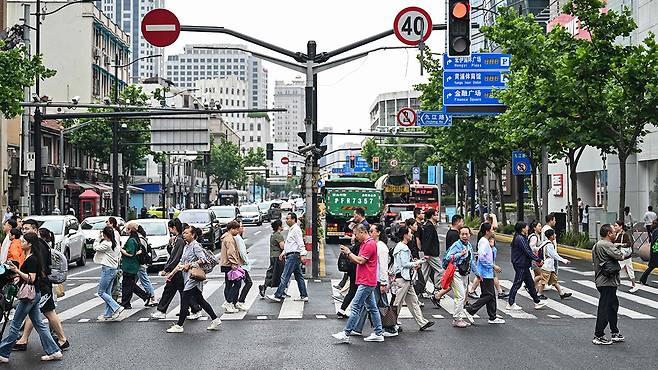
(81, 304)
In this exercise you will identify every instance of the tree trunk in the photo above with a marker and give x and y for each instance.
(574, 157)
(622, 186)
(499, 182)
(533, 190)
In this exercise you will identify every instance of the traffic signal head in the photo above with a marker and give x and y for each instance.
(459, 28)
(352, 161)
(318, 137)
(302, 135)
(269, 151)
(294, 170)
(375, 164)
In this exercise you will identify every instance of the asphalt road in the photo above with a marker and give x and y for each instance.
(264, 338)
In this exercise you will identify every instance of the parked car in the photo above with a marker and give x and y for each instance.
(264, 208)
(91, 228)
(299, 203)
(156, 212)
(68, 237)
(398, 221)
(251, 214)
(226, 214)
(157, 234)
(205, 219)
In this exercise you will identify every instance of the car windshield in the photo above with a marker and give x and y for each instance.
(398, 209)
(405, 215)
(200, 217)
(56, 226)
(248, 209)
(224, 212)
(264, 206)
(95, 224)
(155, 228)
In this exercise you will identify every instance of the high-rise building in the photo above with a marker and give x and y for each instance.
(128, 15)
(232, 93)
(202, 62)
(287, 124)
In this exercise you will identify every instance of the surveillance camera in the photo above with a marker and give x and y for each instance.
(75, 99)
(107, 101)
(123, 125)
(35, 98)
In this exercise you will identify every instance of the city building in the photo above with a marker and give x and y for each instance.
(384, 110)
(231, 92)
(79, 33)
(202, 62)
(329, 142)
(289, 95)
(128, 15)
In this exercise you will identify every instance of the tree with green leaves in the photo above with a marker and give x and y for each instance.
(255, 157)
(18, 70)
(226, 165)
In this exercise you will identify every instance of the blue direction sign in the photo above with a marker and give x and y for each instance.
(478, 61)
(470, 96)
(474, 79)
(521, 164)
(431, 175)
(431, 118)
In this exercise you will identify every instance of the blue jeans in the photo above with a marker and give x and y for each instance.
(292, 266)
(364, 295)
(24, 309)
(145, 281)
(105, 290)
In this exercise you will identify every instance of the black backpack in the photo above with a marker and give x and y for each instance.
(145, 257)
(344, 264)
(464, 267)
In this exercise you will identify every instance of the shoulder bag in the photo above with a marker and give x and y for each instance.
(197, 273)
(27, 292)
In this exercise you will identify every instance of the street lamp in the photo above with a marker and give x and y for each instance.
(115, 134)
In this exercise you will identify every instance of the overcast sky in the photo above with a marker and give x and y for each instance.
(345, 93)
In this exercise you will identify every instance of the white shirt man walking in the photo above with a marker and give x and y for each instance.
(293, 249)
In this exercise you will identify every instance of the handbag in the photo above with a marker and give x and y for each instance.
(344, 264)
(464, 267)
(236, 274)
(59, 290)
(27, 292)
(197, 273)
(389, 316)
(448, 274)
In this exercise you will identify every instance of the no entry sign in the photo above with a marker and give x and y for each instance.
(160, 27)
(412, 25)
(285, 160)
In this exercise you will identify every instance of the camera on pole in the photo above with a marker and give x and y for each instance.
(459, 28)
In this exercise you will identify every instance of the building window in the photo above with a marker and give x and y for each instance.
(259, 128)
(251, 139)
(258, 139)
(251, 127)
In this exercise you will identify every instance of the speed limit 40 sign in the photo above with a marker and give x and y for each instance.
(412, 25)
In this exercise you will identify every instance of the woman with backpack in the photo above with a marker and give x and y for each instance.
(31, 273)
(192, 254)
(130, 268)
(108, 253)
(144, 261)
(535, 242)
(460, 254)
(47, 303)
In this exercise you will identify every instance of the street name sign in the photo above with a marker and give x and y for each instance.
(432, 118)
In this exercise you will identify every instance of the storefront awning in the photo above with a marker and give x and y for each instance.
(72, 185)
(102, 187)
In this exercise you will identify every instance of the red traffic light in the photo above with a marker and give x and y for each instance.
(460, 10)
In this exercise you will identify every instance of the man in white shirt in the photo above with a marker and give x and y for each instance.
(649, 217)
(550, 224)
(293, 250)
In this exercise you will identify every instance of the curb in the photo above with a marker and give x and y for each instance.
(574, 252)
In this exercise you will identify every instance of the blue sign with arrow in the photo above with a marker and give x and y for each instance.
(474, 79)
(521, 164)
(481, 61)
(470, 96)
(431, 118)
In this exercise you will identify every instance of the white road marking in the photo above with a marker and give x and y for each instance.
(261, 317)
(249, 301)
(643, 288)
(208, 289)
(83, 320)
(291, 309)
(160, 27)
(595, 302)
(320, 316)
(77, 290)
(438, 316)
(553, 316)
(137, 305)
(630, 297)
(336, 293)
(83, 272)
(557, 306)
(258, 232)
(517, 314)
(143, 319)
(578, 272)
(80, 309)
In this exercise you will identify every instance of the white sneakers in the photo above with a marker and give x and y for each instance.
(469, 317)
(635, 288)
(159, 315)
(374, 338)
(341, 336)
(55, 356)
(272, 298)
(497, 321)
(241, 306)
(229, 307)
(4, 360)
(513, 307)
(116, 313)
(214, 325)
(175, 329)
(103, 318)
(301, 299)
(540, 305)
(386, 334)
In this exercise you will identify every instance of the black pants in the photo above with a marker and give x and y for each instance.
(522, 276)
(173, 286)
(488, 298)
(419, 286)
(186, 299)
(653, 263)
(128, 287)
(273, 274)
(231, 289)
(245, 289)
(607, 310)
(351, 292)
(343, 281)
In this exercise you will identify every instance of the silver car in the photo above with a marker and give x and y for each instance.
(251, 214)
(68, 237)
(91, 228)
(157, 234)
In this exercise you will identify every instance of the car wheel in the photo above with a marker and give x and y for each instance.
(82, 260)
(260, 223)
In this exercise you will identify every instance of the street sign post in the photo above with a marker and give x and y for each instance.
(460, 79)
(393, 163)
(160, 27)
(415, 174)
(521, 164)
(285, 160)
(412, 25)
(431, 175)
(470, 96)
(406, 117)
(431, 118)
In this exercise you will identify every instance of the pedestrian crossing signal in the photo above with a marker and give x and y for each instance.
(375, 164)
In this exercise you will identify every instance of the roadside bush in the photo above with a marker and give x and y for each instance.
(506, 229)
(575, 239)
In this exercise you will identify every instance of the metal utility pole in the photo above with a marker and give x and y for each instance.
(471, 188)
(163, 189)
(519, 198)
(207, 160)
(38, 171)
(25, 131)
(116, 202)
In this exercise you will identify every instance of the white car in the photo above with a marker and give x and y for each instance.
(68, 237)
(91, 228)
(251, 214)
(287, 206)
(157, 234)
(299, 203)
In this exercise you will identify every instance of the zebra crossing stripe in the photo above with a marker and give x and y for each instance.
(138, 305)
(577, 272)
(557, 306)
(77, 290)
(80, 309)
(595, 302)
(517, 314)
(249, 301)
(208, 289)
(630, 297)
(336, 292)
(643, 288)
(291, 309)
